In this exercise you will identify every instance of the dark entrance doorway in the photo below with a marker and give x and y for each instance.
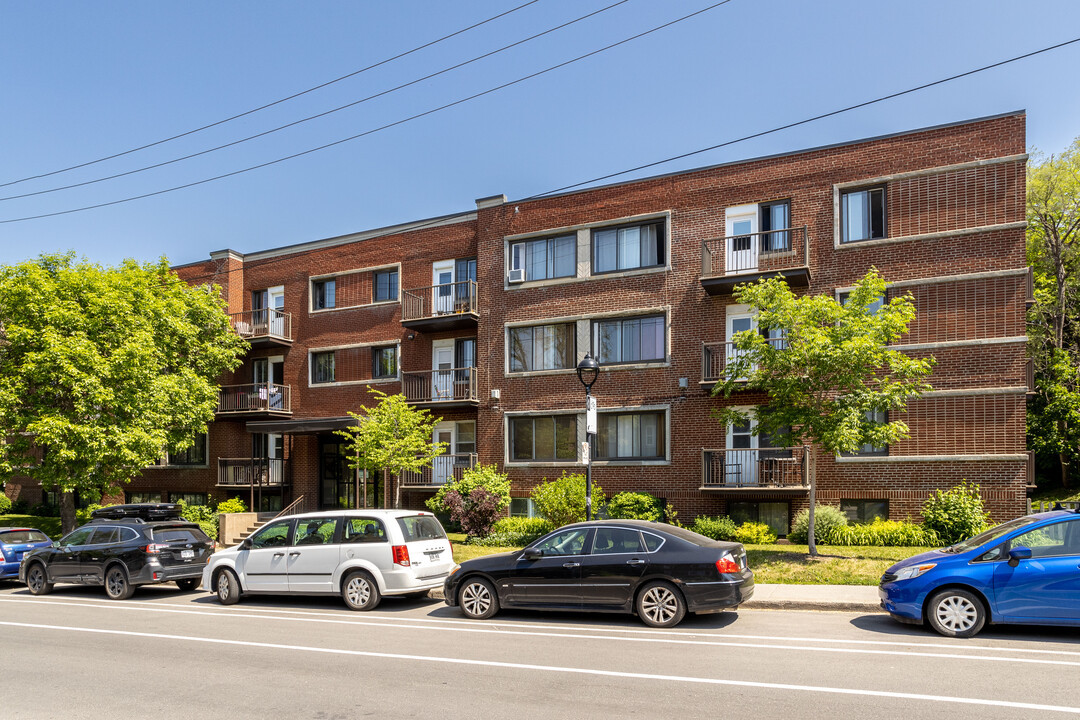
(338, 484)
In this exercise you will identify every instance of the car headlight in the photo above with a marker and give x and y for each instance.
(456, 568)
(914, 571)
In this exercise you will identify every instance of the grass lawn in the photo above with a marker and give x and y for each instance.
(789, 564)
(48, 525)
(1056, 494)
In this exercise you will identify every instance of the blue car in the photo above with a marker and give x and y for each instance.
(1024, 571)
(13, 543)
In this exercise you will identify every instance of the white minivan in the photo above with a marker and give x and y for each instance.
(361, 554)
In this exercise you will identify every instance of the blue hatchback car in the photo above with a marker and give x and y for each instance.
(14, 542)
(1024, 571)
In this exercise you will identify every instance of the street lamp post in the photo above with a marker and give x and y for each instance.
(587, 371)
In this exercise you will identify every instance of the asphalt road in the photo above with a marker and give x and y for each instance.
(168, 654)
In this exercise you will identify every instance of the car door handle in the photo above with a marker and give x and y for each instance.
(571, 565)
(293, 554)
(635, 561)
(281, 554)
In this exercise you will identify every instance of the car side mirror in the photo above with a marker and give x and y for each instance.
(533, 554)
(246, 544)
(1019, 553)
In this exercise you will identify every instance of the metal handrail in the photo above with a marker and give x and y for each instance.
(715, 357)
(289, 508)
(445, 468)
(449, 385)
(437, 300)
(752, 252)
(255, 397)
(754, 467)
(262, 323)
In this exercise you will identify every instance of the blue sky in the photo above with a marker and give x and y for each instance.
(86, 80)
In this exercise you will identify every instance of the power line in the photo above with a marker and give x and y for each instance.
(318, 115)
(275, 102)
(374, 130)
(730, 142)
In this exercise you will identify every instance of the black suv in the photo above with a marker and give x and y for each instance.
(123, 546)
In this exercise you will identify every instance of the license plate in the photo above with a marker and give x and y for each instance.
(187, 554)
(433, 555)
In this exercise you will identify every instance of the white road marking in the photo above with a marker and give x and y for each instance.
(550, 634)
(567, 670)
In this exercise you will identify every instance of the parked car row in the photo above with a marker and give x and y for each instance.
(1023, 571)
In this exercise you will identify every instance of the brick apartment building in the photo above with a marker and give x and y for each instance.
(482, 317)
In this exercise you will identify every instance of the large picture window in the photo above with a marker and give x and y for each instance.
(628, 247)
(384, 285)
(862, 215)
(630, 436)
(545, 258)
(542, 347)
(194, 455)
(550, 438)
(629, 340)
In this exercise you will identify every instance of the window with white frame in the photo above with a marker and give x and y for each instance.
(629, 340)
(862, 214)
(631, 436)
(545, 258)
(544, 438)
(542, 347)
(628, 247)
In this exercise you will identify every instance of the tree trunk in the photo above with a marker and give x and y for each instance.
(1063, 460)
(67, 511)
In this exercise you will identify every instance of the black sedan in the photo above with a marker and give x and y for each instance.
(658, 571)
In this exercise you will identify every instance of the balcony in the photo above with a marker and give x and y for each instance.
(445, 468)
(452, 388)
(754, 469)
(254, 472)
(450, 306)
(255, 400)
(715, 357)
(728, 261)
(263, 328)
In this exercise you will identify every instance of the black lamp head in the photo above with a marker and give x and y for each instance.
(587, 370)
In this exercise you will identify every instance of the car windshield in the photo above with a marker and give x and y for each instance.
(421, 527)
(18, 537)
(994, 533)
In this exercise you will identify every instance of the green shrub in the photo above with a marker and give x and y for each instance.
(884, 533)
(232, 505)
(210, 527)
(755, 533)
(717, 528)
(955, 514)
(486, 477)
(197, 513)
(515, 532)
(562, 501)
(5, 504)
(20, 507)
(826, 518)
(635, 506)
(43, 510)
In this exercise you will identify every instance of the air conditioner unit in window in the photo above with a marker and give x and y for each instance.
(517, 275)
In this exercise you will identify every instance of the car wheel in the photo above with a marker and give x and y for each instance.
(956, 613)
(360, 591)
(117, 586)
(37, 582)
(660, 604)
(228, 587)
(188, 584)
(477, 599)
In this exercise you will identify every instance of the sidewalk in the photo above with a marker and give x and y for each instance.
(847, 598)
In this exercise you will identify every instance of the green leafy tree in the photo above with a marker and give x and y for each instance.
(1053, 247)
(103, 369)
(391, 437)
(832, 374)
(562, 501)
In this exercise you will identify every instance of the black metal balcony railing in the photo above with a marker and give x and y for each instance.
(716, 356)
(268, 323)
(444, 469)
(455, 298)
(440, 386)
(255, 398)
(769, 251)
(754, 468)
(258, 472)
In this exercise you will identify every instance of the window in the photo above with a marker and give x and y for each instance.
(773, 514)
(631, 340)
(865, 511)
(628, 247)
(879, 417)
(523, 507)
(466, 438)
(181, 534)
(324, 294)
(871, 309)
(144, 497)
(363, 530)
(188, 498)
(546, 438)
(315, 531)
(420, 527)
(77, 537)
(545, 258)
(384, 285)
(567, 542)
(774, 222)
(630, 436)
(862, 214)
(465, 353)
(612, 541)
(273, 535)
(322, 367)
(105, 536)
(384, 361)
(194, 455)
(542, 347)
(1062, 538)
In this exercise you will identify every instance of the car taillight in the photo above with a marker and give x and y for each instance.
(727, 565)
(154, 549)
(401, 555)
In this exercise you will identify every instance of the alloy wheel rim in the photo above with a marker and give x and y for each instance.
(476, 599)
(660, 604)
(223, 588)
(359, 591)
(116, 583)
(956, 613)
(36, 579)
